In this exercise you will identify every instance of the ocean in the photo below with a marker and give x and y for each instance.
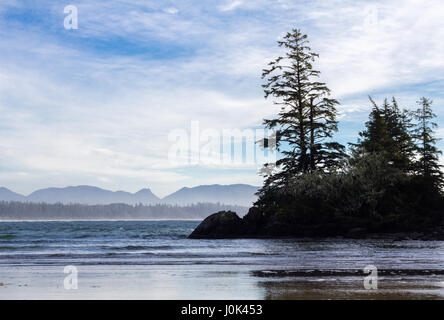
(156, 260)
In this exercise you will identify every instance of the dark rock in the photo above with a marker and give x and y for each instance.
(416, 235)
(223, 224)
(325, 230)
(260, 224)
(256, 220)
(356, 232)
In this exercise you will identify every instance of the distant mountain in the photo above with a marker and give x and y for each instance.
(234, 194)
(91, 195)
(8, 195)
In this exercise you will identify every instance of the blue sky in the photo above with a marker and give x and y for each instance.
(96, 105)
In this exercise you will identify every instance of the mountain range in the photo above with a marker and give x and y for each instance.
(234, 194)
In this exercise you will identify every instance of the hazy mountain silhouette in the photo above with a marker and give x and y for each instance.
(88, 195)
(238, 194)
(8, 195)
(235, 194)
(91, 195)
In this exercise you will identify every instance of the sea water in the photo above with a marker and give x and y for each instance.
(156, 260)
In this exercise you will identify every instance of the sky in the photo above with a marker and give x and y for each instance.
(100, 104)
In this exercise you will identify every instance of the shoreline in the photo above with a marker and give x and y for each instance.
(219, 282)
(228, 225)
(98, 220)
(398, 236)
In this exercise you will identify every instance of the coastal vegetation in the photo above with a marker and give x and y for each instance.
(388, 180)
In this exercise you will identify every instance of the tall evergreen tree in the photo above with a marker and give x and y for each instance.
(375, 137)
(388, 133)
(402, 131)
(427, 165)
(307, 117)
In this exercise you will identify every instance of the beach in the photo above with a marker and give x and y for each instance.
(155, 260)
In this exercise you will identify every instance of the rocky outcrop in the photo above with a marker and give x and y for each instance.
(257, 224)
(223, 224)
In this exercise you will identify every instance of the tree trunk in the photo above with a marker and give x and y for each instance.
(312, 138)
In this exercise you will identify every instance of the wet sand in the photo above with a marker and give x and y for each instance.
(202, 282)
(387, 290)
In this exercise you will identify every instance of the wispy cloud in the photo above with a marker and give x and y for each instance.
(95, 105)
(231, 5)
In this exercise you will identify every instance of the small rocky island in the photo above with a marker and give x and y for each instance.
(389, 182)
(228, 225)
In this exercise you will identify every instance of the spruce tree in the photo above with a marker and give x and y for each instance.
(375, 137)
(388, 133)
(307, 117)
(427, 165)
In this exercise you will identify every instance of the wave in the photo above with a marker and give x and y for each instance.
(16, 248)
(137, 247)
(7, 236)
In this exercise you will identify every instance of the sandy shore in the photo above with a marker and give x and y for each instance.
(200, 282)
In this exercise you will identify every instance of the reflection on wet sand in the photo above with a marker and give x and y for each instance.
(326, 289)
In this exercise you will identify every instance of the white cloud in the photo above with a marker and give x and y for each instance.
(231, 5)
(172, 10)
(402, 47)
(103, 118)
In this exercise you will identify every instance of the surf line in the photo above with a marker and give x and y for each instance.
(208, 311)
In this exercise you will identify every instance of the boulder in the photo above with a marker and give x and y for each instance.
(223, 224)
